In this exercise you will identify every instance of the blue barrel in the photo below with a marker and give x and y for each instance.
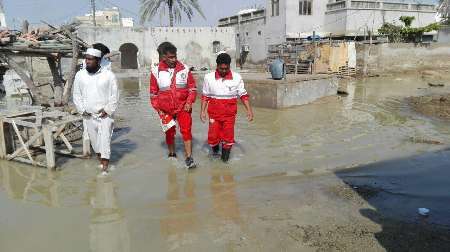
(277, 69)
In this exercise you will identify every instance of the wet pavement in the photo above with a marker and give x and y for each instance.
(285, 179)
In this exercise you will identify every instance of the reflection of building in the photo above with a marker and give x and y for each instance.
(286, 20)
(109, 231)
(106, 18)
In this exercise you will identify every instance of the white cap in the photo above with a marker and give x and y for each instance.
(221, 52)
(94, 52)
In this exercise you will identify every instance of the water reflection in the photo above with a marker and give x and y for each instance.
(31, 185)
(223, 189)
(182, 219)
(108, 226)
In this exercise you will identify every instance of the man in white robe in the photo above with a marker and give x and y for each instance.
(96, 97)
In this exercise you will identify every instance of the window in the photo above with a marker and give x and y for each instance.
(259, 33)
(216, 46)
(275, 8)
(246, 34)
(305, 7)
(115, 18)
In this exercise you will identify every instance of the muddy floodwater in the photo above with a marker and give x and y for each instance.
(341, 174)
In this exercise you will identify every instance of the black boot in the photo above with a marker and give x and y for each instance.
(225, 155)
(215, 150)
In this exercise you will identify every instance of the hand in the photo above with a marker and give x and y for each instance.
(102, 113)
(203, 117)
(188, 107)
(250, 116)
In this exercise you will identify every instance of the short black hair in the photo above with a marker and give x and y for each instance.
(167, 47)
(104, 49)
(223, 58)
(162, 46)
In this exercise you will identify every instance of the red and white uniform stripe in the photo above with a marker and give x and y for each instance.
(222, 94)
(170, 90)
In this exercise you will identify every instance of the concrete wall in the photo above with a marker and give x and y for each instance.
(303, 25)
(276, 25)
(351, 22)
(444, 35)
(398, 58)
(256, 39)
(294, 91)
(195, 44)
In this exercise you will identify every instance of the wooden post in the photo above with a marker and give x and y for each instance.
(57, 80)
(73, 70)
(7, 145)
(3, 151)
(49, 147)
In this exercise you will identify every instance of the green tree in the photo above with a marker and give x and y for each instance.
(407, 20)
(175, 8)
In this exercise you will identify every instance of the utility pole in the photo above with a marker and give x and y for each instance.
(93, 12)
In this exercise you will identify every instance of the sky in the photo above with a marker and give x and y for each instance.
(62, 11)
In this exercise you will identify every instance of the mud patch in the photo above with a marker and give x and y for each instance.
(333, 237)
(356, 194)
(435, 106)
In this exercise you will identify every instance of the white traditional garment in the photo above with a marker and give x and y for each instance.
(91, 94)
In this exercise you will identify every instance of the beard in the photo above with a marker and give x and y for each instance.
(92, 69)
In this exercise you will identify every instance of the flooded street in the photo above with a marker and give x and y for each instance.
(342, 173)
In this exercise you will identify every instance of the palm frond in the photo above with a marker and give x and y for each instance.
(180, 8)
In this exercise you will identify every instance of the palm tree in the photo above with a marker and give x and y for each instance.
(149, 8)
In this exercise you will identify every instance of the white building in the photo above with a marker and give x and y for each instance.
(106, 18)
(284, 20)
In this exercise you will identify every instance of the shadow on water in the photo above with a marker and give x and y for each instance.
(396, 189)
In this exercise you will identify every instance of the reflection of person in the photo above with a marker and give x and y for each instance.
(108, 228)
(96, 97)
(181, 219)
(172, 92)
(225, 203)
(221, 89)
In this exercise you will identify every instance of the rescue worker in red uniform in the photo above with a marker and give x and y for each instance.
(221, 90)
(172, 92)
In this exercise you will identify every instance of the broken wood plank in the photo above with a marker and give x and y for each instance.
(49, 147)
(73, 70)
(22, 143)
(25, 146)
(26, 161)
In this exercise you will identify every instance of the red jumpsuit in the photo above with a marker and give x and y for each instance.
(222, 95)
(170, 90)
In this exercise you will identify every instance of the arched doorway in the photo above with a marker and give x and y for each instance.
(128, 59)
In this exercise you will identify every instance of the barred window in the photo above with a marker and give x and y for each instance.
(275, 8)
(305, 7)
